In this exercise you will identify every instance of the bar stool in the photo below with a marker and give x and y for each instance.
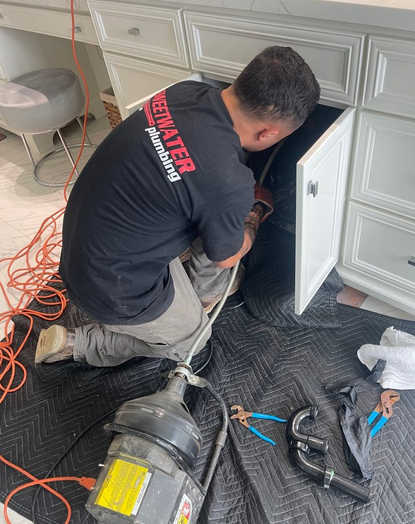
(43, 101)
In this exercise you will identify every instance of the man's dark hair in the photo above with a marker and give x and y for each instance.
(277, 85)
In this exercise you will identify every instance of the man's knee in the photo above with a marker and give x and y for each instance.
(179, 352)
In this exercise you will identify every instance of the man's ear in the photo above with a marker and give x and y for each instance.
(268, 133)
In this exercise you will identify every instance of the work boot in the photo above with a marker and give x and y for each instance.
(55, 344)
(209, 303)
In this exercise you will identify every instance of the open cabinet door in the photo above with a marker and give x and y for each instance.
(321, 189)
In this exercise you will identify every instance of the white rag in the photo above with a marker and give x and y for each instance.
(397, 348)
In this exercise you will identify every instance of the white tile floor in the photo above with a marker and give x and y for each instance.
(373, 304)
(24, 204)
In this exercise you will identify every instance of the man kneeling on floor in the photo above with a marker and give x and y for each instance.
(170, 177)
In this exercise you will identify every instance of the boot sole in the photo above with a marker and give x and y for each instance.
(51, 342)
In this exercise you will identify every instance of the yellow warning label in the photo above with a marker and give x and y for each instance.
(124, 487)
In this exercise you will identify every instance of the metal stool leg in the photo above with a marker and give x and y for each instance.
(26, 145)
(66, 148)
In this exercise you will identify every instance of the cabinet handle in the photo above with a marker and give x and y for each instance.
(77, 29)
(312, 188)
(411, 261)
(134, 31)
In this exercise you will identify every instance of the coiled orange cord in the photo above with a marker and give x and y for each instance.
(29, 281)
(35, 277)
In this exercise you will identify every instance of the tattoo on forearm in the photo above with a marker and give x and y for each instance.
(251, 226)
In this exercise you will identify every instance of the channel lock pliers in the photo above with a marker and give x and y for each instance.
(242, 415)
(384, 408)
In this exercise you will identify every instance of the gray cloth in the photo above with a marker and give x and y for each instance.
(172, 334)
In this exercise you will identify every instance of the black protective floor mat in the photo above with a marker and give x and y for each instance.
(263, 368)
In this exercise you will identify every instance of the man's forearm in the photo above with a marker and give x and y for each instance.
(251, 226)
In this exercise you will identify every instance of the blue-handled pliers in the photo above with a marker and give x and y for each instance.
(384, 408)
(242, 415)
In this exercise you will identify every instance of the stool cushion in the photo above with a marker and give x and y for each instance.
(42, 100)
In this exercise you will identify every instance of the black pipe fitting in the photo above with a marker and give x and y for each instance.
(321, 445)
(300, 446)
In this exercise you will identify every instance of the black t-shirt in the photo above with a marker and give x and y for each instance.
(169, 173)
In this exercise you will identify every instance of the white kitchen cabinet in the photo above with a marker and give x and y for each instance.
(148, 32)
(48, 22)
(379, 254)
(133, 79)
(379, 236)
(391, 76)
(385, 162)
(138, 104)
(223, 45)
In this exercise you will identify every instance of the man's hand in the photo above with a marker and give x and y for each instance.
(263, 196)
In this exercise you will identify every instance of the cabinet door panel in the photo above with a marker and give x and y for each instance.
(224, 45)
(319, 216)
(384, 162)
(391, 76)
(379, 255)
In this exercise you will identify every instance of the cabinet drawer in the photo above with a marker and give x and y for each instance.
(52, 23)
(133, 79)
(224, 46)
(384, 162)
(155, 33)
(391, 76)
(380, 246)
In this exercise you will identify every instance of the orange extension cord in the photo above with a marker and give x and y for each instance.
(86, 482)
(29, 281)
